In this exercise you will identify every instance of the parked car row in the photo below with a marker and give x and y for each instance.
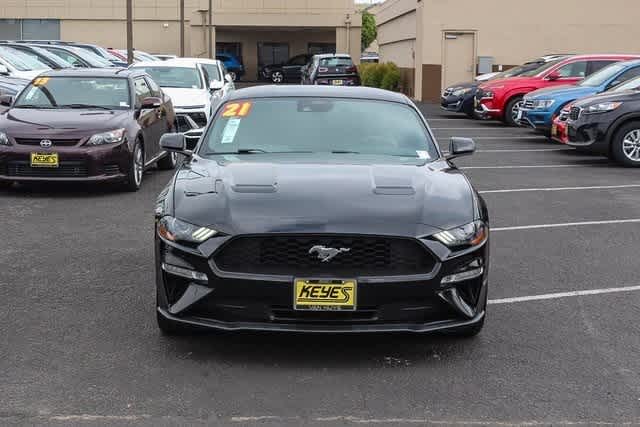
(333, 69)
(591, 102)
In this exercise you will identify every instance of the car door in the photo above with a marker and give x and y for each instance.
(292, 69)
(167, 115)
(572, 72)
(148, 118)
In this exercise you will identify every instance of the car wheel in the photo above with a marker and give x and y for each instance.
(511, 112)
(233, 75)
(136, 168)
(169, 161)
(277, 77)
(625, 145)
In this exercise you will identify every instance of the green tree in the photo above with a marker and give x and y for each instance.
(369, 30)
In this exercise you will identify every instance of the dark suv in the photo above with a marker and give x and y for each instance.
(290, 71)
(331, 69)
(85, 125)
(608, 123)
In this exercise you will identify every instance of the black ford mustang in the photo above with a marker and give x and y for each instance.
(320, 209)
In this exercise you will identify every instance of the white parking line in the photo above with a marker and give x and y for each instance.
(566, 224)
(594, 187)
(564, 295)
(529, 166)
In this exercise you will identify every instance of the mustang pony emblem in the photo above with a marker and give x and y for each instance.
(327, 254)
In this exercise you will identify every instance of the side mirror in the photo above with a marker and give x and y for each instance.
(151, 102)
(174, 142)
(228, 78)
(6, 100)
(460, 147)
(4, 70)
(215, 85)
(554, 76)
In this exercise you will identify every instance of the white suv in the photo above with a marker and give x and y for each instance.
(192, 83)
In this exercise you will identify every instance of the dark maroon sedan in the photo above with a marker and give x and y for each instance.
(85, 125)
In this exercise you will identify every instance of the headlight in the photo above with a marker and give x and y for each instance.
(461, 91)
(469, 235)
(542, 104)
(602, 107)
(4, 139)
(111, 137)
(487, 95)
(175, 230)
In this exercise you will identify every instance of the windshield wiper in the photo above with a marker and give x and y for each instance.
(344, 152)
(79, 106)
(254, 151)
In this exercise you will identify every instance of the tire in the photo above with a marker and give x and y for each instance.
(468, 331)
(511, 111)
(625, 145)
(136, 169)
(277, 77)
(170, 328)
(168, 162)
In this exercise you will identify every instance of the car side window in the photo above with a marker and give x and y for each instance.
(155, 89)
(142, 90)
(626, 76)
(574, 69)
(595, 66)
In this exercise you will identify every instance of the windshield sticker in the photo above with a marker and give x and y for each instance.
(40, 81)
(236, 109)
(423, 154)
(124, 104)
(230, 131)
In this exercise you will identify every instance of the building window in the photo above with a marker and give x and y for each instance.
(320, 48)
(29, 29)
(272, 53)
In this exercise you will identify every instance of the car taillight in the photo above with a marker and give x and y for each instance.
(352, 69)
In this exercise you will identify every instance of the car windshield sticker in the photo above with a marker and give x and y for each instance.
(230, 131)
(124, 104)
(237, 109)
(423, 154)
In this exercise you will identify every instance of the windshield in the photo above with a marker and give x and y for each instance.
(21, 61)
(178, 77)
(75, 92)
(602, 76)
(541, 69)
(89, 56)
(212, 72)
(318, 125)
(633, 84)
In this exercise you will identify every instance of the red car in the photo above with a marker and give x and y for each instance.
(559, 126)
(501, 99)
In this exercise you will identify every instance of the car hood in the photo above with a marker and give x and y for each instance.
(187, 97)
(563, 92)
(29, 75)
(314, 195)
(35, 123)
(628, 95)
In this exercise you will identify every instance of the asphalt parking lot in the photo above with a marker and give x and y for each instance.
(79, 344)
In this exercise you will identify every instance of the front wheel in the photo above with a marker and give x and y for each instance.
(136, 168)
(625, 145)
(512, 110)
(277, 77)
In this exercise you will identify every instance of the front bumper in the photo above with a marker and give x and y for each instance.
(590, 131)
(234, 301)
(487, 109)
(536, 119)
(106, 163)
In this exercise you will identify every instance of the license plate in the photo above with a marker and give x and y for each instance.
(330, 295)
(554, 129)
(44, 160)
(337, 82)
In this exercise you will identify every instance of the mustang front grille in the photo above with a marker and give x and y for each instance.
(325, 256)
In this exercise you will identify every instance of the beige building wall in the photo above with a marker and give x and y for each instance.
(507, 31)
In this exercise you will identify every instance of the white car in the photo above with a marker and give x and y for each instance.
(216, 72)
(16, 64)
(188, 84)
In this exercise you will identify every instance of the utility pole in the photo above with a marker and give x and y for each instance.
(181, 27)
(210, 29)
(130, 32)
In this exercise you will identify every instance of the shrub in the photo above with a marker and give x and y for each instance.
(391, 79)
(383, 76)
